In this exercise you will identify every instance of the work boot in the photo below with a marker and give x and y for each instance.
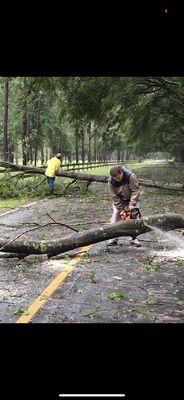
(135, 242)
(112, 242)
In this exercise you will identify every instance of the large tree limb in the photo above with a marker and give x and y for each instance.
(71, 175)
(131, 228)
(161, 185)
(89, 177)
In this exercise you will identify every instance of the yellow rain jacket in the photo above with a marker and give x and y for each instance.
(53, 166)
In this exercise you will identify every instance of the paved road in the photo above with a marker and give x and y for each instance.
(116, 284)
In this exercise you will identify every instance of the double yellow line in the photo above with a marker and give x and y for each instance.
(51, 288)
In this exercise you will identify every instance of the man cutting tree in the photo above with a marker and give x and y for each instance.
(124, 191)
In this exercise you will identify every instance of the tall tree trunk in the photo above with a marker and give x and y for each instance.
(46, 154)
(82, 141)
(42, 156)
(5, 120)
(28, 144)
(180, 155)
(77, 144)
(38, 127)
(127, 155)
(16, 153)
(24, 132)
(103, 145)
(60, 149)
(25, 125)
(32, 138)
(89, 141)
(36, 149)
(11, 153)
(118, 155)
(95, 147)
(122, 155)
(69, 157)
(54, 146)
(31, 154)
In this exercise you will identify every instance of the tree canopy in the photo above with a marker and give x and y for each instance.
(93, 118)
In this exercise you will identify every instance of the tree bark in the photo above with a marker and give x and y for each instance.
(95, 144)
(131, 228)
(5, 121)
(103, 145)
(46, 154)
(77, 144)
(89, 177)
(16, 153)
(89, 141)
(118, 155)
(38, 127)
(42, 156)
(11, 149)
(25, 123)
(82, 143)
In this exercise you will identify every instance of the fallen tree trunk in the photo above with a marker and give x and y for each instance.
(161, 185)
(66, 174)
(88, 177)
(131, 228)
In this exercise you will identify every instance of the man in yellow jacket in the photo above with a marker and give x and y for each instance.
(53, 166)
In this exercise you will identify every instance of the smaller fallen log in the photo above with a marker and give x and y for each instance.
(161, 185)
(131, 228)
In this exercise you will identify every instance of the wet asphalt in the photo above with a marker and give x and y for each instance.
(110, 284)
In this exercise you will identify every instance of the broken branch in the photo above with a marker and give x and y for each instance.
(131, 228)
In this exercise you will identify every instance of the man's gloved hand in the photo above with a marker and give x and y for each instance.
(123, 215)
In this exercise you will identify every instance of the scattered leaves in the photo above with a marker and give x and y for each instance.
(116, 297)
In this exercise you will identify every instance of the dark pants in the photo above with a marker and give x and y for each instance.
(51, 184)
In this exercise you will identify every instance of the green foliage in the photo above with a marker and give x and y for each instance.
(180, 263)
(13, 188)
(140, 310)
(20, 312)
(116, 297)
(9, 190)
(91, 314)
(92, 277)
(152, 267)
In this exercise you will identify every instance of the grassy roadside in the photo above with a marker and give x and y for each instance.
(11, 204)
(132, 166)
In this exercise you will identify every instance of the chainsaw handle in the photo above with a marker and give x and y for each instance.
(124, 215)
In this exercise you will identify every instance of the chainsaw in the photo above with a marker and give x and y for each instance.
(134, 213)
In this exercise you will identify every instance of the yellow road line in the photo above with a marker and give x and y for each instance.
(40, 301)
